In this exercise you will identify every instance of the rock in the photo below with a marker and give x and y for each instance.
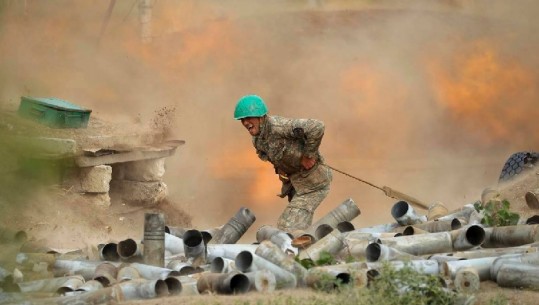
(143, 170)
(98, 199)
(139, 193)
(95, 179)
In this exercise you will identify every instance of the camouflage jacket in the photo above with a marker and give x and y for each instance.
(284, 141)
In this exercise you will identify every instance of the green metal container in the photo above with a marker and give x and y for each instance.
(54, 112)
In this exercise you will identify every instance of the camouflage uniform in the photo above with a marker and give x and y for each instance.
(283, 142)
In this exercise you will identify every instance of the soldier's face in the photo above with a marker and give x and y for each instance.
(252, 124)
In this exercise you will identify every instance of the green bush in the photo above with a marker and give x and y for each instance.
(405, 286)
(496, 213)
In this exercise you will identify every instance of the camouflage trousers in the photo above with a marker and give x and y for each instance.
(298, 214)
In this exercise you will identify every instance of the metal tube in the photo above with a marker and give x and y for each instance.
(355, 235)
(327, 278)
(531, 199)
(440, 258)
(174, 244)
(108, 252)
(181, 267)
(247, 262)
(209, 234)
(384, 228)
(222, 265)
(527, 258)
(84, 268)
(528, 219)
(461, 213)
(482, 265)
(478, 253)
(174, 285)
(467, 280)
(127, 273)
(345, 226)
(322, 231)
(228, 283)
(278, 237)
(72, 284)
(150, 272)
(412, 230)
(129, 249)
(194, 247)
(467, 238)
(436, 210)
(261, 281)
(440, 225)
(330, 277)
(376, 252)
(176, 231)
(154, 239)
(331, 243)
(143, 289)
(356, 249)
(91, 285)
(46, 285)
(510, 236)
(109, 295)
(229, 250)
(405, 214)
(234, 229)
(422, 244)
(106, 274)
(189, 285)
(273, 254)
(518, 275)
(346, 211)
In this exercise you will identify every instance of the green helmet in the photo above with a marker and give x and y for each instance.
(250, 106)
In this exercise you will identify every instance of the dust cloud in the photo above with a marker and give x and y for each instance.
(428, 98)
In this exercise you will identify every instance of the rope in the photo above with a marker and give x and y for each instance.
(353, 177)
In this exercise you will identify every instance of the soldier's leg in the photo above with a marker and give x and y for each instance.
(298, 214)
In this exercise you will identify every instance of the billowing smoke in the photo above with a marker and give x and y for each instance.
(429, 99)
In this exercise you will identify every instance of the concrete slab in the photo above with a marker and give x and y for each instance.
(112, 156)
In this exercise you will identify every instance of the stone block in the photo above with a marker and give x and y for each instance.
(97, 199)
(139, 193)
(95, 179)
(144, 170)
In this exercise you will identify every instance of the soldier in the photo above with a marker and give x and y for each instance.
(291, 145)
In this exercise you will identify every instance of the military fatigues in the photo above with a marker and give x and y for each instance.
(284, 142)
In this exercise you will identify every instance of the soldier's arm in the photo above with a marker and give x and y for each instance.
(312, 132)
(261, 154)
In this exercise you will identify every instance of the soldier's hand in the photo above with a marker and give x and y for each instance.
(308, 163)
